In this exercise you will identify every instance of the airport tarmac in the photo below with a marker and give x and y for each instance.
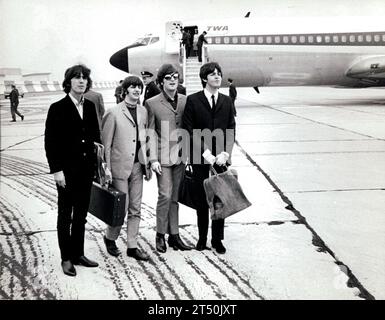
(311, 161)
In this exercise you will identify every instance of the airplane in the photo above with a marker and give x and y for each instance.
(257, 52)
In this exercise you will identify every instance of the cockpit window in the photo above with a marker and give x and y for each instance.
(154, 39)
(142, 41)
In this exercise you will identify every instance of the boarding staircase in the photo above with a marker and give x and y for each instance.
(192, 80)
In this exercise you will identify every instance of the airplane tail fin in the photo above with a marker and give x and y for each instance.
(247, 14)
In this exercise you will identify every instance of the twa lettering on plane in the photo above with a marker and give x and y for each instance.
(334, 51)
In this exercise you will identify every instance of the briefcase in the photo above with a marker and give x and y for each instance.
(108, 204)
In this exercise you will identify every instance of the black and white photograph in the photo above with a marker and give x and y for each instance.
(201, 150)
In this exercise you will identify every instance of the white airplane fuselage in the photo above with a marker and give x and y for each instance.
(279, 52)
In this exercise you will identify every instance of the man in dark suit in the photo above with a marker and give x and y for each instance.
(71, 129)
(151, 88)
(201, 39)
(14, 98)
(210, 113)
(232, 94)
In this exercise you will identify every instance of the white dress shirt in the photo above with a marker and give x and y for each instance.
(208, 95)
(78, 104)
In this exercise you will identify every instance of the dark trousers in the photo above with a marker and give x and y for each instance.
(201, 172)
(14, 111)
(73, 201)
(200, 53)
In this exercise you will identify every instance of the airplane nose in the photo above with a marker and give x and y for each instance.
(120, 60)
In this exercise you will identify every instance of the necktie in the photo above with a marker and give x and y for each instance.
(213, 102)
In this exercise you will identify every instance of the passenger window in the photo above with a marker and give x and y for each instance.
(226, 40)
(294, 39)
(335, 38)
(260, 39)
(209, 40)
(251, 39)
(319, 39)
(285, 39)
(302, 39)
(310, 39)
(360, 38)
(376, 38)
(217, 40)
(243, 40)
(383, 37)
(327, 39)
(352, 38)
(343, 38)
(277, 39)
(368, 38)
(268, 39)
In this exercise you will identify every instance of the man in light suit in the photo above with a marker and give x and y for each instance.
(211, 111)
(166, 109)
(124, 130)
(97, 99)
(71, 129)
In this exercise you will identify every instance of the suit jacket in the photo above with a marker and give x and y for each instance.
(14, 97)
(97, 99)
(69, 139)
(201, 39)
(119, 140)
(162, 148)
(199, 115)
(232, 92)
(151, 91)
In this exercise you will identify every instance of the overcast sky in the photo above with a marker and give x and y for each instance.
(51, 35)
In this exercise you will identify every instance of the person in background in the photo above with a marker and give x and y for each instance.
(232, 94)
(97, 99)
(124, 139)
(151, 88)
(167, 109)
(71, 128)
(186, 42)
(210, 111)
(118, 92)
(201, 40)
(14, 99)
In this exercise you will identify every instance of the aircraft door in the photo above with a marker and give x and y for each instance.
(173, 36)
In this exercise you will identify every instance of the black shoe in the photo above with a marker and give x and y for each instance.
(84, 261)
(22, 118)
(137, 254)
(68, 268)
(201, 245)
(112, 249)
(176, 242)
(13, 120)
(218, 246)
(160, 243)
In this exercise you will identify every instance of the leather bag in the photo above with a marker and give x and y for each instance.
(224, 194)
(188, 189)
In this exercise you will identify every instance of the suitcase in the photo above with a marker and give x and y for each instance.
(108, 204)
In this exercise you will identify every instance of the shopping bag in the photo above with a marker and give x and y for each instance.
(188, 189)
(106, 203)
(224, 194)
